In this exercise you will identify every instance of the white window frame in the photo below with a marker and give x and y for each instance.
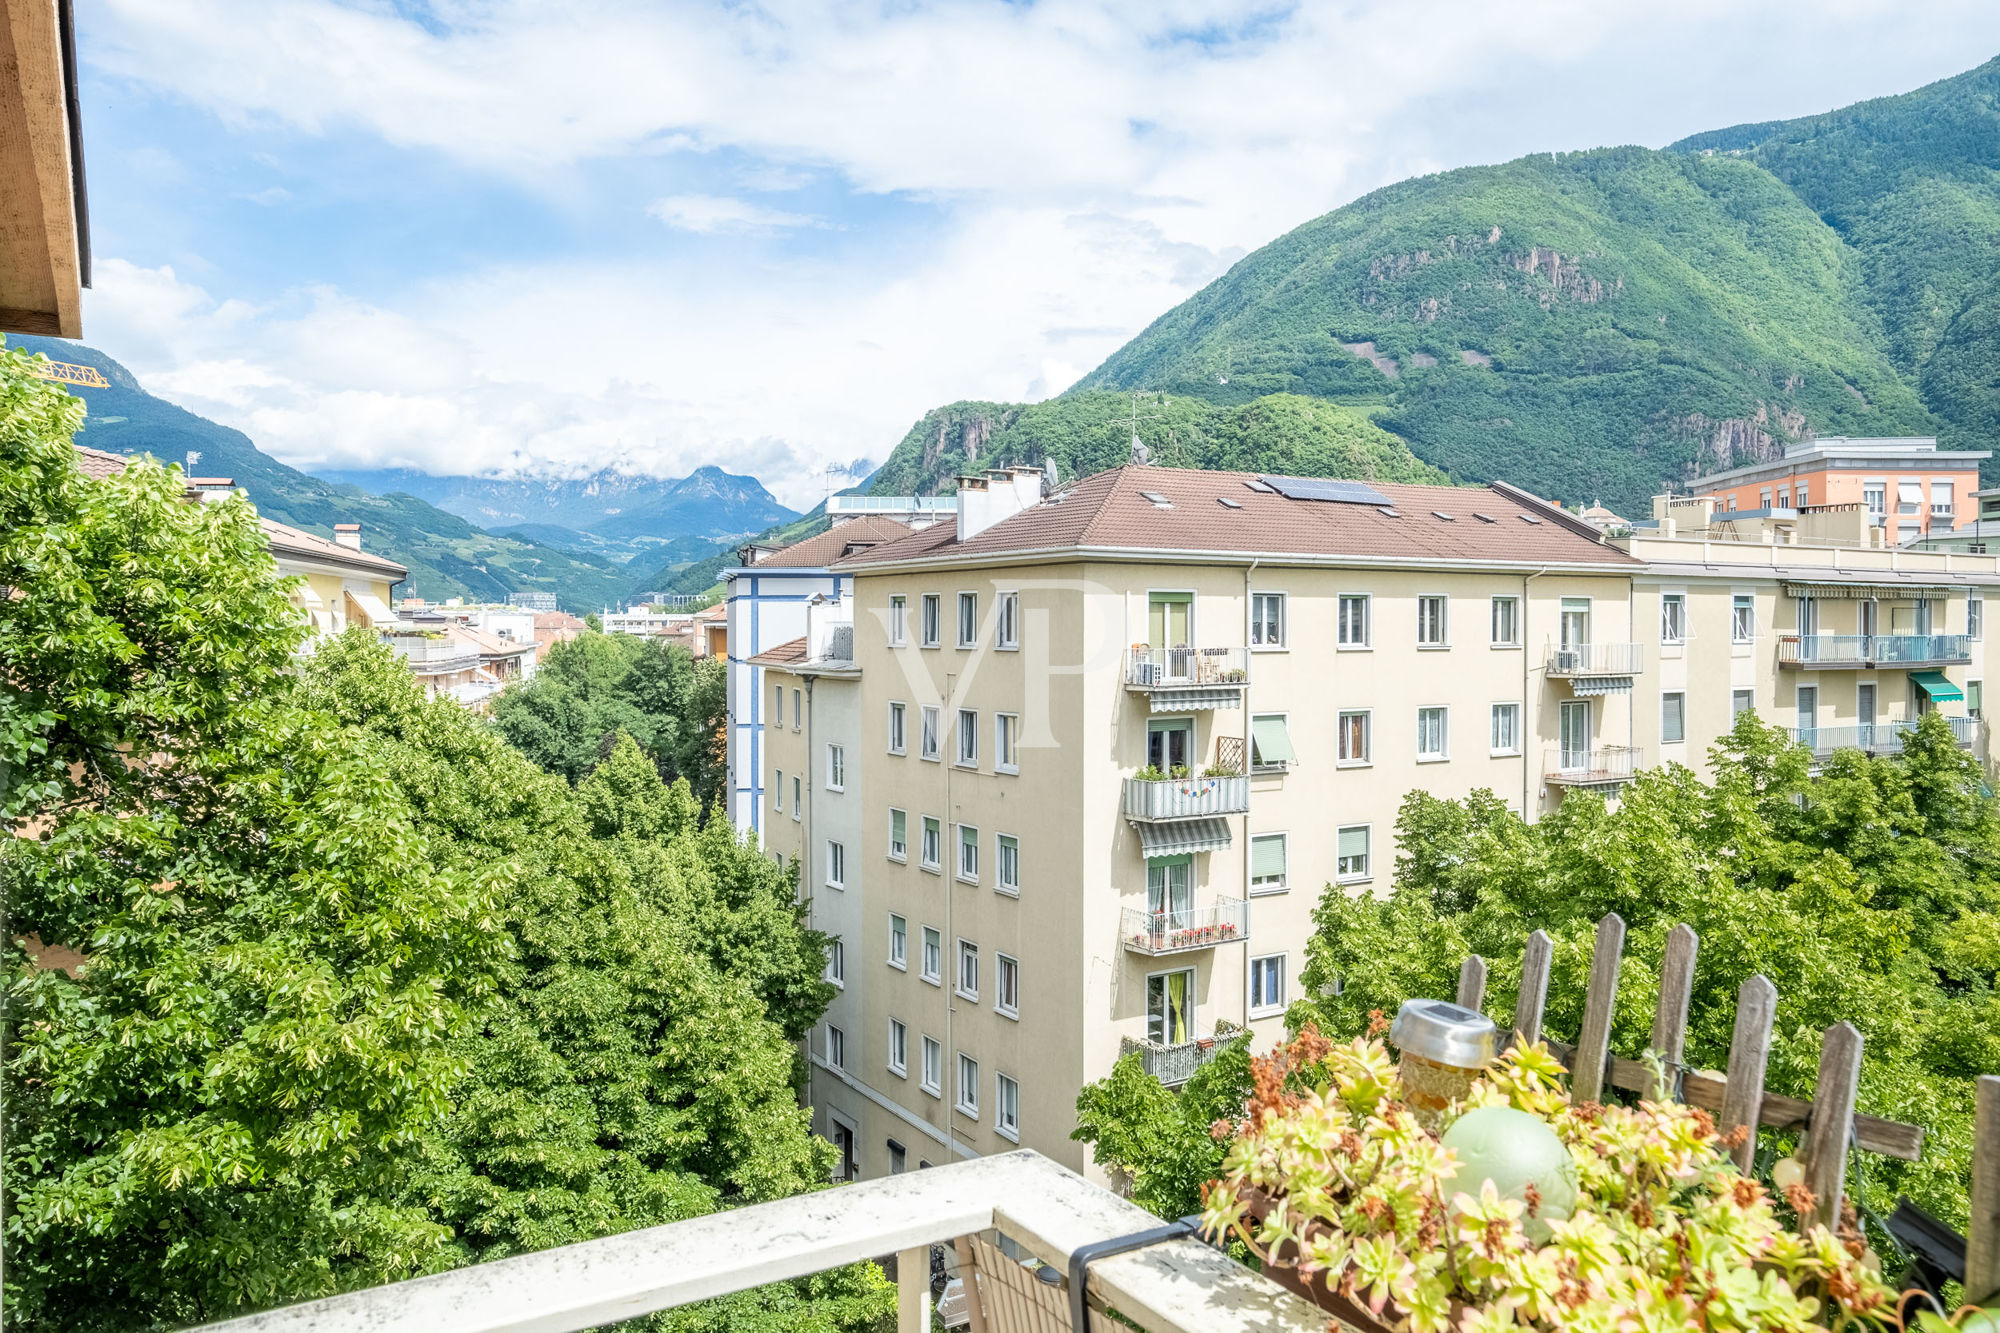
(899, 727)
(967, 749)
(930, 729)
(798, 785)
(1007, 622)
(899, 848)
(1007, 1107)
(966, 954)
(1443, 605)
(1284, 880)
(778, 791)
(1006, 742)
(1258, 643)
(1366, 603)
(836, 864)
(1493, 719)
(1004, 966)
(899, 1048)
(899, 942)
(836, 1047)
(836, 962)
(836, 767)
(962, 845)
(1734, 697)
(778, 706)
(799, 712)
(1266, 1008)
(899, 620)
(930, 1077)
(931, 942)
(930, 620)
(1975, 618)
(1675, 633)
(1443, 754)
(1367, 870)
(967, 602)
(1007, 879)
(1513, 605)
(1950, 499)
(926, 826)
(1367, 716)
(966, 1102)
(1739, 603)
(1681, 696)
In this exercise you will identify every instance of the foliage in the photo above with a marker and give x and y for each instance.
(1664, 1232)
(1157, 1137)
(596, 686)
(1868, 894)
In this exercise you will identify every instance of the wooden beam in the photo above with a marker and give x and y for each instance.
(1472, 983)
(39, 269)
(1834, 1091)
(1670, 1019)
(913, 1290)
(1749, 1054)
(1534, 998)
(1593, 1043)
(1982, 1236)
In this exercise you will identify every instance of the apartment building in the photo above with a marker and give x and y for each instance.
(1082, 766)
(1909, 487)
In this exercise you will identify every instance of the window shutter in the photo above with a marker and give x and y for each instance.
(1270, 742)
(1354, 842)
(1267, 855)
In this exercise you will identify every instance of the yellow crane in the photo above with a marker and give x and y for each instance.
(67, 373)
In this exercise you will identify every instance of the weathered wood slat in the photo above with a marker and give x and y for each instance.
(1534, 998)
(1593, 1043)
(1886, 1138)
(1749, 1054)
(1015, 1302)
(1472, 983)
(1982, 1235)
(1834, 1091)
(970, 1261)
(1670, 1019)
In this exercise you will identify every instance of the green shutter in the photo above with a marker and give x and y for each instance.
(1354, 842)
(1170, 598)
(1270, 742)
(1267, 856)
(898, 827)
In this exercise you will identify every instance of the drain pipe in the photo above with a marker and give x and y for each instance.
(1526, 761)
(1248, 739)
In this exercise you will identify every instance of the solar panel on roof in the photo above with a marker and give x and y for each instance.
(1320, 488)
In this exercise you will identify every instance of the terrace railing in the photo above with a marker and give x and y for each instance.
(1595, 659)
(1586, 768)
(1871, 650)
(1876, 737)
(1157, 800)
(1225, 921)
(1175, 1063)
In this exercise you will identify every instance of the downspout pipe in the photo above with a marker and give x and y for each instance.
(1248, 738)
(1526, 759)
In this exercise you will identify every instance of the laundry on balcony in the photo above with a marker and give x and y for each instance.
(1183, 837)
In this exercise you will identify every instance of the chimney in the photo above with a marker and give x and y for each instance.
(348, 535)
(993, 498)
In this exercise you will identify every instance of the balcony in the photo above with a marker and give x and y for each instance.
(1876, 737)
(1154, 934)
(1611, 766)
(435, 657)
(1162, 800)
(1183, 678)
(1584, 661)
(1175, 1065)
(1178, 1285)
(1816, 652)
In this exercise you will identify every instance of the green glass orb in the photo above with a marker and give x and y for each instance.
(1514, 1150)
(1981, 1321)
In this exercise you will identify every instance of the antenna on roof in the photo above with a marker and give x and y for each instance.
(1051, 477)
(193, 457)
(1140, 453)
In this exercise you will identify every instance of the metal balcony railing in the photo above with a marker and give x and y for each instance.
(1159, 800)
(1226, 921)
(1175, 1286)
(1876, 737)
(1589, 768)
(1186, 668)
(1871, 650)
(436, 657)
(1595, 659)
(1174, 1065)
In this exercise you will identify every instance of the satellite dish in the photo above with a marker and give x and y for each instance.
(1051, 478)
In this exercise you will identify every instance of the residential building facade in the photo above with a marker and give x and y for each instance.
(1909, 487)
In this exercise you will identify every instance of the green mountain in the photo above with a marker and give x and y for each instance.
(1590, 325)
(446, 556)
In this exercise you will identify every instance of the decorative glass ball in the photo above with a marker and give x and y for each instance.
(1514, 1150)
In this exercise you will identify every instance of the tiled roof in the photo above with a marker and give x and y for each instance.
(97, 464)
(831, 545)
(785, 654)
(1112, 511)
(286, 540)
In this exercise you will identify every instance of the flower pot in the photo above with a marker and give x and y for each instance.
(1323, 1289)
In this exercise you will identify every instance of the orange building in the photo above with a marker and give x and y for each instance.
(1909, 487)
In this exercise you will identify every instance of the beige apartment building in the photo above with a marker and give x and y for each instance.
(1100, 752)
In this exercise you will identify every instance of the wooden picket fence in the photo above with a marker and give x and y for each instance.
(1739, 1098)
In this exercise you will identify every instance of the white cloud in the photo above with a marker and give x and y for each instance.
(710, 213)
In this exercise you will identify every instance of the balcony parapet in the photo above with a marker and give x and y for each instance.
(1159, 800)
(1608, 767)
(1177, 679)
(1581, 660)
(1175, 1064)
(1225, 921)
(1817, 652)
(1877, 737)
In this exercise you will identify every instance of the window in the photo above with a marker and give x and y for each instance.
(1742, 701)
(1351, 853)
(933, 960)
(836, 865)
(899, 735)
(1864, 704)
(899, 835)
(1875, 496)
(1673, 617)
(1270, 742)
(899, 1048)
(1267, 620)
(836, 962)
(836, 1047)
(1742, 618)
(836, 767)
(798, 711)
(1784, 497)
(933, 613)
(933, 1071)
(777, 705)
(1506, 729)
(968, 969)
(1803, 487)
(796, 803)
(968, 1085)
(1764, 497)
(968, 853)
(932, 857)
(1975, 617)
(899, 1158)
(1267, 983)
(1006, 737)
(968, 738)
(1007, 630)
(1673, 717)
(1430, 622)
(1170, 1007)
(1506, 622)
(899, 942)
(1007, 864)
(1352, 730)
(1352, 620)
(1909, 496)
(899, 621)
(1432, 733)
(778, 792)
(928, 748)
(1007, 985)
(968, 619)
(1007, 1108)
(1975, 698)
(1267, 863)
(1941, 498)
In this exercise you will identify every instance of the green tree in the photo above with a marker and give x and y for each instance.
(1159, 1138)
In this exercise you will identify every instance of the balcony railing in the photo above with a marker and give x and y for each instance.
(436, 657)
(1159, 800)
(1592, 768)
(1226, 921)
(1175, 1286)
(1174, 1065)
(1186, 668)
(1872, 650)
(1595, 659)
(1876, 737)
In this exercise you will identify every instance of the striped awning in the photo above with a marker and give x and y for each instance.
(1170, 700)
(1183, 837)
(1591, 686)
(1867, 591)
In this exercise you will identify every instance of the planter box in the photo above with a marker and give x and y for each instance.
(1322, 1290)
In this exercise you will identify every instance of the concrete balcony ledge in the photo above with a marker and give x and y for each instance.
(1180, 1286)
(1225, 921)
(1867, 651)
(1596, 659)
(1609, 766)
(1156, 800)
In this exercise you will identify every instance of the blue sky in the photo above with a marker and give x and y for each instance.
(474, 236)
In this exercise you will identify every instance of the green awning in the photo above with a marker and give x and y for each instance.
(1270, 743)
(1938, 686)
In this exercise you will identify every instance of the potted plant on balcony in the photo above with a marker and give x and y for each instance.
(1636, 1220)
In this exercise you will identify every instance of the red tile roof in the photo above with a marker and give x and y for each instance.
(1112, 512)
(785, 654)
(841, 539)
(97, 464)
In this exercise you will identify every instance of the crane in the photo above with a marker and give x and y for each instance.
(65, 372)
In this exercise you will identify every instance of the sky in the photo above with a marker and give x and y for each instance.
(496, 238)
